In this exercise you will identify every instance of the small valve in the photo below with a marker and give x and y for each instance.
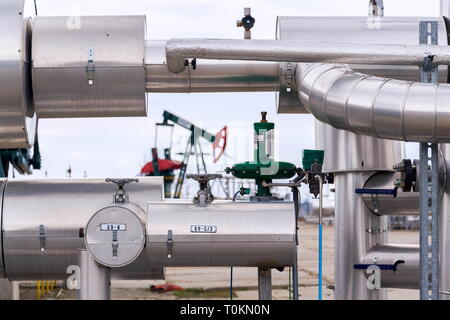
(247, 22)
(121, 196)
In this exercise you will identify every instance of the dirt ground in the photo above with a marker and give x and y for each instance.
(213, 283)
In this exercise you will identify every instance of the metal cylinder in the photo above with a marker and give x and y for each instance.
(95, 279)
(356, 231)
(18, 123)
(44, 228)
(403, 203)
(373, 106)
(356, 30)
(44, 221)
(221, 234)
(89, 66)
(354, 159)
(207, 76)
(404, 259)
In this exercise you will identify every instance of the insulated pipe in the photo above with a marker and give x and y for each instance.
(403, 259)
(373, 106)
(178, 50)
(208, 76)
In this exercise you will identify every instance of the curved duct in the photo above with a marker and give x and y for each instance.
(379, 107)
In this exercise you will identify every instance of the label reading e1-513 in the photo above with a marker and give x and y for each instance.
(203, 229)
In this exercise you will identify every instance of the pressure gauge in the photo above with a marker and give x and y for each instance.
(115, 235)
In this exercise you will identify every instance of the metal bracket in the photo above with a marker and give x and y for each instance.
(90, 69)
(42, 237)
(429, 185)
(288, 71)
(115, 244)
(169, 244)
(392, 192)
(392, 267)
(375, 230)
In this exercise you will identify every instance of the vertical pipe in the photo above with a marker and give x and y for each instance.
(295, 276)
(429, 190)
(320, 235)
(353, 159)
(265, 283)
(95, 279)
(16, 290)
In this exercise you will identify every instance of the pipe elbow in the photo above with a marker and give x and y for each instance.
(373, 106)
(175, 59)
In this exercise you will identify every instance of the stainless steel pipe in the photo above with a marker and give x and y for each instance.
(207, 76)
(374, 106)
(45, 225)
(406, 260)
(178, 50)
(404, 203)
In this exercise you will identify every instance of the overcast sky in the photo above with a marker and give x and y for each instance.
(118, 147)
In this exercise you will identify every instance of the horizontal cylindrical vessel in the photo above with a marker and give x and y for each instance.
(221, 234)
(43, 223)
(89, 66)
(403, 258)
(207, 76)
(18, 123)
(403, 203)
(374, 106)
(44, 226)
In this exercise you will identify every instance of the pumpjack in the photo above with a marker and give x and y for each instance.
(165, 167)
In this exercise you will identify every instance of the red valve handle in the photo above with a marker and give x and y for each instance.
(220, 143)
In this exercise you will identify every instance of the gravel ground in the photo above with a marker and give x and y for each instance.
(213, 283)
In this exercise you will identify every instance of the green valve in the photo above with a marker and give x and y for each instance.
(263, 168)
(312, 156)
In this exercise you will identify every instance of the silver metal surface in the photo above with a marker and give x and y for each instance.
(63, 207)
(208, 76)
(357, 230)
(248, 234)
(178, 50)
(372, 30)
(373, 106)
(444, 229)
(346, 151)
(404, 257)
(115, 235)
(429, 227)
(94, 69)
(404, 203)
(264, 283)
(18, 123)
(2, 266)
(429, 187)
(95, 279)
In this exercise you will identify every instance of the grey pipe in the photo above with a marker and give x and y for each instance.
(207, 76)
(406, 260)
(178, 50)
(373, 106)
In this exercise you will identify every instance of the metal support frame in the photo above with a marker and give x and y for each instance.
(95, 279)
(265, 284)
(429, 185)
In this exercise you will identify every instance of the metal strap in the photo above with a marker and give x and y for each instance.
(429, 185)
